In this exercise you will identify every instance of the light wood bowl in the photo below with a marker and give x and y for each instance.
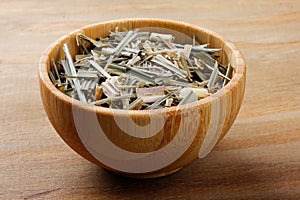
(144, 144)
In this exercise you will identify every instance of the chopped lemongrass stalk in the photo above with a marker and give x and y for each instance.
(139, 74)
(209, 60)
(151, 73)
(198, 46)
(83, 84)
(73, 73)
(213, 76)
(109, 61)
(119, 59)
(118, 67)
(131, 50)
(52, 77)
(158, 102)
(64, 64)
(169, 102)
(219, 73)
(126, 54)
(187, 50)
(109, 90)
(107, 50)
(149, 95)
(145, 59)
(85, 74)
(129, 36)
(156, 36)
(126, 86)
(95, 56)
(99, 68)
(172, 88)
(110, 99)
(167, 43)
(201, 48)
(200, 74)
(147, 47)
(56, 71)
(201, 92)
(194, 40)
(102, 58)
(205, 58)
(198, 64)
(133, 60)
(227, 74)
(176, 82)
(79, 58)
(94, 42)
(188, 96)
(135, 105)
(202, 84)
(182, 61)
(160, 60)
(98, 92)
(93, 84)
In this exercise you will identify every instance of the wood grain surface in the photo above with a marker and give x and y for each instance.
(258, 159)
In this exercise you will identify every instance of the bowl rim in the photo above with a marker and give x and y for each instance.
(240, 69)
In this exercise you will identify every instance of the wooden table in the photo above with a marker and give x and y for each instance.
(258, 159)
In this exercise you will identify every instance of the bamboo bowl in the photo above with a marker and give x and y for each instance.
(144, 143)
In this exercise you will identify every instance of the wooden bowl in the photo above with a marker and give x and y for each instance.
(144, 143)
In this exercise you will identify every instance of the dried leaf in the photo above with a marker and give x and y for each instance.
(169, 102)
(135, 105)
(201, 92)
(73, 73)
(109, 89)
(157, 36)
(156, 104)
(187, 95)
(227, 74)
(149, 95)
(99, 68)
(213, 76)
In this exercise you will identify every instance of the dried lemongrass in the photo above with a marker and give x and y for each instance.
(52, 77)
(109, 89)
(84, 37)
(72, 72)
(135, 105)
(139, 70)
(110, 99)
(157, 36)
(151, 94)
(160, 60)
(213, 76)
(98, 92)
(129, 36)
(169, 102)
(187, 95)
(157, 103)
(227, 74)
(100, 69)
(201, 92)
(56, 71)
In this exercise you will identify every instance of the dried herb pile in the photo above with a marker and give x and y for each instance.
(139, 70)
